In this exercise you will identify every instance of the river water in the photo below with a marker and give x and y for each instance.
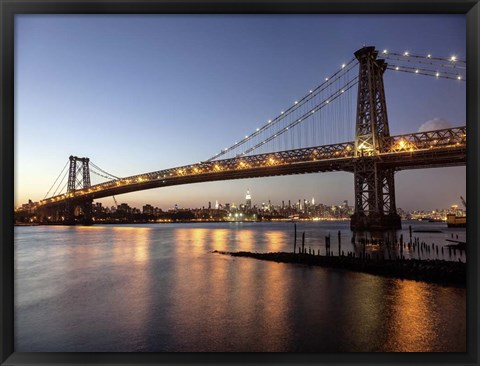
(159, 287)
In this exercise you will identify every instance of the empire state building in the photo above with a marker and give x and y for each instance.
(248, 200)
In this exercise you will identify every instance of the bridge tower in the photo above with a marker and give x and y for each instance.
(78, 178)
(374, 183)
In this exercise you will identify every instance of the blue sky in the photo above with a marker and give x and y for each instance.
(148, 92)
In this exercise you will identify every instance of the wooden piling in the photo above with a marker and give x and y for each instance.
(295, 237)
(303, 242)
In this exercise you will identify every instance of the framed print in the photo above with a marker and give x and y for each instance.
(215, 183)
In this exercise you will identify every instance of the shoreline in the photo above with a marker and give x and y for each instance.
(446, 273)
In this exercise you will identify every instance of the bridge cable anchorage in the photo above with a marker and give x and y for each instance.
(345, 68)
(433, 73)
(46, 195)
(305, 116)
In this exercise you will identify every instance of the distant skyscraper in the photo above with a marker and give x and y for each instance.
(216, 204)
(313, 201)
(248, 200)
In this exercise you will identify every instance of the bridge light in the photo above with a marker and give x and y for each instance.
(328, 101)
(313, 111)
(311, 91)
(296, 102)
(397, 68)
(246, 136)
(437, 74)
(416, 71)
(429, 56)
(406, 53)
(326, 79)
(459, 77)
(269, 121)
(385, 51)
(343, 91)
(453, 58)
(343, 66)
(282, 112)
(258, 129)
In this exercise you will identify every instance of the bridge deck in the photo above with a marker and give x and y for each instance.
(427, 149)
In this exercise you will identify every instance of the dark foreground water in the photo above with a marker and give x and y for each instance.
(159, 288)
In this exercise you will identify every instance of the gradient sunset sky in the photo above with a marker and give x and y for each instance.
(140, 93)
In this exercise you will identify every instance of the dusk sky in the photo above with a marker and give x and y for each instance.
(140, 93)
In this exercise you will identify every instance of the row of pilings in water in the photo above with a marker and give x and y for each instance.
(413, 246)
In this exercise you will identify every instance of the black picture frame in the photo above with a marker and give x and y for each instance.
(9, 8)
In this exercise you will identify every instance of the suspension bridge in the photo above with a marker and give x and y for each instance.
(301, 140)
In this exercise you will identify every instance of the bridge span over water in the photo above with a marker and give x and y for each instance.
(373, 157)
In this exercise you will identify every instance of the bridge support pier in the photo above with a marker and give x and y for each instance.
(78, 213)
(375, 222)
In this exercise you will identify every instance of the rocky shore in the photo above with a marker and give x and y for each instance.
(446, 273)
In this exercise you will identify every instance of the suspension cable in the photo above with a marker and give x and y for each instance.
(385, 53)
(433, 73)
(414, 69)
(453, 65)
(100, 175)
(312, 93)
(54, 193)
(103, 171)
(56, 179)
(305, 116)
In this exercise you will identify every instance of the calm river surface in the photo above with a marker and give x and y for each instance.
(158, 288)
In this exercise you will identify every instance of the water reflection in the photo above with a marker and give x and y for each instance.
(160, 288)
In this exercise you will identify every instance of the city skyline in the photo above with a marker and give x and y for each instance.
(130, 93)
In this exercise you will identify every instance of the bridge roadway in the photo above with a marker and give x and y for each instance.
(438, 148)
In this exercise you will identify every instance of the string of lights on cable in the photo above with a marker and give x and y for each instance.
(315, 99)
(451, 67)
